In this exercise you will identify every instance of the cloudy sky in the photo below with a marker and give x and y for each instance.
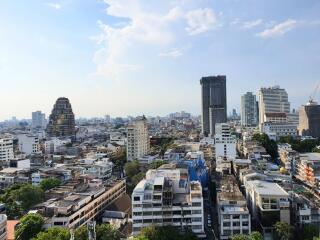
(127, 57)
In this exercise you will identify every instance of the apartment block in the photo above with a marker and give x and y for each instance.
(225, 143)
(167, 197)
(308, 169)
(233, 214)
(29, 144)
(6, 148)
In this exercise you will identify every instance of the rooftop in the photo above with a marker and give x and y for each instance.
(268, 188)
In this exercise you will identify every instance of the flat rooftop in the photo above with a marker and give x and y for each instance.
(268, 188)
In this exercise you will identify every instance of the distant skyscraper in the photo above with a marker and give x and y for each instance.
(249, 110)
(309, 120)
(61, 121)
(38, 119)
(214, 103)
(272, 100)
(138, 144)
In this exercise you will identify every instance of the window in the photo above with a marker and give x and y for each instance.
(196, 219)
(226, 224)
(196, 204)
(136, 198)
(236, 224)
(236, 216)
(196, 212)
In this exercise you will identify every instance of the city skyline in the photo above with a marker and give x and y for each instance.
(147, 69)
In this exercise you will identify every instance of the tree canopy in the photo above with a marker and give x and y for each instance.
(49, 183)
(165, 233)
(270, 145)
(30, 225)
(55, 233)
(284, 230)
(252, 236)
(103, 231)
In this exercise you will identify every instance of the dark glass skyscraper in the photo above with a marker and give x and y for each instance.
(214, 102)
(61, 121)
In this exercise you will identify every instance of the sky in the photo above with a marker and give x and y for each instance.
(133, 57)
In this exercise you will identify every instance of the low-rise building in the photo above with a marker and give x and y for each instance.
(233, 214)
(275, 130)
(308, 169)
(288, 157)
(29, 144)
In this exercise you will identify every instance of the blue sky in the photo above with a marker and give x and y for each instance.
(128, 57)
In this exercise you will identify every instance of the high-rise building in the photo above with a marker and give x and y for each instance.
(249, 110)
(309, 120)
(214, 103)
(167, 196)
(6, 148)
(138, 144)
(225, 143)
(61, 121)
(38, 119)
(272, 100)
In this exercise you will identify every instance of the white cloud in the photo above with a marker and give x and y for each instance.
(56, 6)
(144, 25)
(252, 24)
(173, 53)
(200, 21)
(279, 29)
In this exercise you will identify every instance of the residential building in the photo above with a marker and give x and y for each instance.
(6, 148)
(138, 144)
(214, 103)
(78, 207)
(101, 169)
(167, 197)
(3, 227)
(28, 144)
(288, 157)
(225, 143)
(233, 214)
(308, 168)
(309, 120)
(61, 120)
(272, 100)
(269, 203)
(249, 110)
(39, 120)
(52, 145)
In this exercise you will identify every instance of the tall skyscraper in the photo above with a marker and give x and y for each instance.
(61, 121)
(214, 103)
(38, 119)
(249, 110)
(138, 139)
(309, 120)
(272, 100)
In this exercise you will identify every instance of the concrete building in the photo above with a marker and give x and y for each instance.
(269, 203)
(61, 120)
(6, 148)
(166, 197)
(138, 144)
(214, 103)
(308, 168)
(276, 130)
(233, 214)
(309, 120)
(225, 143)
(28, 144)
(77, 208)
(39, 120)
(288, 157)
(272, 100)
(249, 110)
(3, 227)
(101, 169)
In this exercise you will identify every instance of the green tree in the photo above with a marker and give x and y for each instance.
(270, 145)
(252, 236)
(284, 230)
(30, 225)
(49, 183)
(81, 233)
(310, 231)
(165, 233)
(239, 237)
(256, 236)
(156, 164)
(106, 231)
(132, 168)
(29, 195)
(55, 233)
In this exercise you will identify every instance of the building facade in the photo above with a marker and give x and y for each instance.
(6, 148)
(272, 100)
(138, 144)
(225, 143)
(309, 120)
(214, 103)
(249, 110)
(3, 227)
(166, 197)
(38, 120)
(29, 144)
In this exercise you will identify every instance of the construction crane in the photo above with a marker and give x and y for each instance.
(314, 93)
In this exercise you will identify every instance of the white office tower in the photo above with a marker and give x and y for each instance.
(39, 120)
(249, 110)
(29, 144)
(166, 197)
(6, 147)
(138, 139)
(272, 100)
(225, 143)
